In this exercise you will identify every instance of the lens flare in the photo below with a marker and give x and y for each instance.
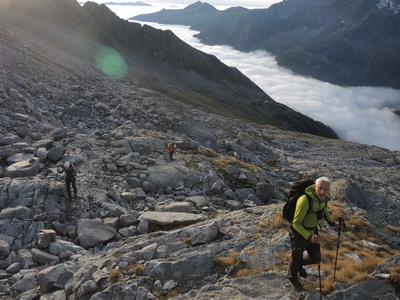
(4, 4)
(111, 62)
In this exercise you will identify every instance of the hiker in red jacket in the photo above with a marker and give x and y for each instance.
(171, 150)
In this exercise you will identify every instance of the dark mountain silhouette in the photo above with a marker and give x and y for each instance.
(157, 59)
(342, 42)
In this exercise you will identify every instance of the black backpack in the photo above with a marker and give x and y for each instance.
(297, 189)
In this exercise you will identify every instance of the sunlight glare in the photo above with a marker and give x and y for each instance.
(111, 62)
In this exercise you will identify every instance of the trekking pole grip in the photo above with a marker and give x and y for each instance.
(342, 223)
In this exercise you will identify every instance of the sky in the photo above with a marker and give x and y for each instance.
(358, 114)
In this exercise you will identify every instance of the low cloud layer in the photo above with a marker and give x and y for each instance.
(356, 113)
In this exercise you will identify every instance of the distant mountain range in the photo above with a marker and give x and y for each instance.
(138, 3)
(348, 43)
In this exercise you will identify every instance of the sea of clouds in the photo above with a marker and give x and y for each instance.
(359, 114)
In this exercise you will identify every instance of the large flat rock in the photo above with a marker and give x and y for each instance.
(171, 218)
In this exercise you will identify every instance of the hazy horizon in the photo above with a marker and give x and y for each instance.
(247, 3)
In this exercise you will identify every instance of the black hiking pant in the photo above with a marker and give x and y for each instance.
(68, 183)
(299, 258)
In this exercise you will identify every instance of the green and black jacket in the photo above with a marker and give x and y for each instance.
(305, 221)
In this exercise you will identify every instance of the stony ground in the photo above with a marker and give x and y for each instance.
(144, 227)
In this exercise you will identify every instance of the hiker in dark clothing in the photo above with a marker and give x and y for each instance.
(70, 179)
(304, 231)
(171, 150)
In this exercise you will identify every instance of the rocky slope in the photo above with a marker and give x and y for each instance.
(162, 60)
(144, 227)
(341, 42)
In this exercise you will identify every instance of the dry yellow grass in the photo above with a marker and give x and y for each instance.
(336, 209)
(391, 229)
(277, 222)
(208, 152)
(347, 270)
(193, 161)
(230, 260)
(172, 294)
(255, 236)
(233, 260)
(114, 275)
(359, 229)
(138, 269)
(248, 272)
(236, 222)
(147, 132)
(241, 239)
(223, 162)
(264, 224)
(164, 296)
(259, 229)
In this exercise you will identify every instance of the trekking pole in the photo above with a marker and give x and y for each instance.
(319, 275)
(341, 223)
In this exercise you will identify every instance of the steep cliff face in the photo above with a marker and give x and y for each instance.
(164, 47)
(342, 42)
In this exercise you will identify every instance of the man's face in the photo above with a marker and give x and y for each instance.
(322, 189)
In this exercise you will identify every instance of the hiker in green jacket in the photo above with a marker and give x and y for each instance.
(304, 231)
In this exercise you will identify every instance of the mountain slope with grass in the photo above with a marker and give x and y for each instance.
(205, 225)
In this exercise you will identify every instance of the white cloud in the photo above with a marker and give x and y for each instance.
(355, 113)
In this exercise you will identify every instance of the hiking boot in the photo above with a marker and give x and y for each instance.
(303, 272)
(296, 283)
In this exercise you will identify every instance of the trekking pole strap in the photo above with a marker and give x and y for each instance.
(341, 222)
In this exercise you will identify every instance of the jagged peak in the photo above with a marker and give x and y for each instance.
(200, 6)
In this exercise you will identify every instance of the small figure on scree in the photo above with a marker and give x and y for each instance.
(70, 178)
(171, 150)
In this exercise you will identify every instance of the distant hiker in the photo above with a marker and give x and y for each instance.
(171, 150)
(70, 178)
(304, 231)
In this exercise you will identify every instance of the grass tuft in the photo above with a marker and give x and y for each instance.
(114, 275)
(248, 272)
(230, 260)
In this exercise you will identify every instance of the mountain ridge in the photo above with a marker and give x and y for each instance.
(335, 41)
(156, 52)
